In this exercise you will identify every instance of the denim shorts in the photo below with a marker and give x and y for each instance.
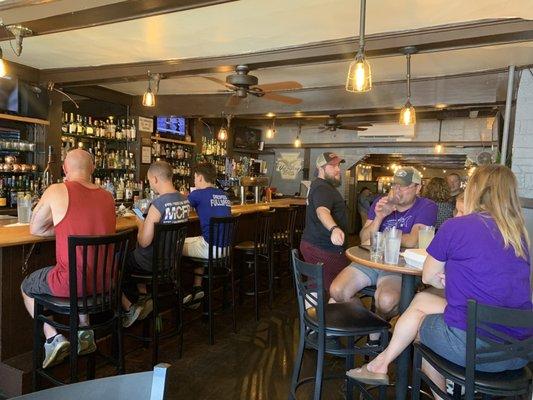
(450, 342)
(373, 273)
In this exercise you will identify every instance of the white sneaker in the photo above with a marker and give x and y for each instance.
(56, 351)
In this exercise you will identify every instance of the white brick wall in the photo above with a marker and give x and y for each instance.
(522, 158)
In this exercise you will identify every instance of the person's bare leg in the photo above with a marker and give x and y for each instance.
(387, 298)
(49, 331)
(141, 287)
(349, 281)
(198, 272)
(435, 376)
(84, 320)
(407, 327)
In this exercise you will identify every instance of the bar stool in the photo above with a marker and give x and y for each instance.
(299, 225)
(219, 265)
(105, 255)
(282, 237)
(349, 320)
(165, 282)
(256, 253)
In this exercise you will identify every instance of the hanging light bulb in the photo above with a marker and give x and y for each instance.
(439, 147)
(222, 134)
(149, 95)
(408, 113)
(2, 65)
(271, 132)
(359, 74)
(297, 141)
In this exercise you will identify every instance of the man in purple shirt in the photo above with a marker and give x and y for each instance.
(405, 210)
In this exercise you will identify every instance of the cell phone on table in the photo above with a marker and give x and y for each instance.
(138, 213)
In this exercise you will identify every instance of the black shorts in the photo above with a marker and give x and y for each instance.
(37, 283)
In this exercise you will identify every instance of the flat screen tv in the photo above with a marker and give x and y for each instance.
(247, 138)
(9, 94)
(171, 125)
(34, 100)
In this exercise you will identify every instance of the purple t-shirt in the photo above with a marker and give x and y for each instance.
(423, 211)
(478, 267)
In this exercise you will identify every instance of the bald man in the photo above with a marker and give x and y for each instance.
(75, 207)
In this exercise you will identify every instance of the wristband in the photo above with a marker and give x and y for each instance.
(332, 228)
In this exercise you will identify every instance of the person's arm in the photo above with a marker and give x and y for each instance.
(411, 239)
(145, 234)
(433, 272)
(337, 234)
(41, 223)
(376, 215)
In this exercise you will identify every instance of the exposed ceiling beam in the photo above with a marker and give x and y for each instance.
(108, 14)
(467, 89)
(102, 94)
(371, 145)
(480, 33)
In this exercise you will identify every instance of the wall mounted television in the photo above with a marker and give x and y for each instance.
(246, 138)
(171, 125)
(9, 94)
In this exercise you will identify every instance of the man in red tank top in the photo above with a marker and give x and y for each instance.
(76, 207)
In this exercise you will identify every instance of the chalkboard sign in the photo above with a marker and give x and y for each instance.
(246, 138)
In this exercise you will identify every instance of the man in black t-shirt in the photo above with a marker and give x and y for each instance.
(326, 219)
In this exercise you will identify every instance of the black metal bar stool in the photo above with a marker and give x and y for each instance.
(282, 240)
(299, 225)
(347, 320)
(165, 282)
(101, 267)
(218, 266)
(256, 253)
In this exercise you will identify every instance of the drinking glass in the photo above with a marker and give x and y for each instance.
(425, 236)
(24, 209)
(376, 246)
(393, 241)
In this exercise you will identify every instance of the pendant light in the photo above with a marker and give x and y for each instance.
(149, 95)
(271, 132)
(439, 147)
(297, 141)
(222, 134)
(2, 65)
(359, 78)
(408, 113)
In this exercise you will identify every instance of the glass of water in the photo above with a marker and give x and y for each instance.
(24, 209)
(376, 246)
(393, 241)
(425, 236)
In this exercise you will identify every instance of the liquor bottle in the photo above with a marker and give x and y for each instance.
(112, 128)
(90, 128)
(3, 194)
(79, 125)
(118, 130)
(72, 125)
(133, 131)
(64, 123)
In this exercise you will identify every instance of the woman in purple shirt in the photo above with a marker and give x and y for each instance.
(482, 255)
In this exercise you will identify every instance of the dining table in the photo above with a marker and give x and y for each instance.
(361, 255)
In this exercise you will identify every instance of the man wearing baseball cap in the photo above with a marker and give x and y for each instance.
(403, 209)
(326, 219)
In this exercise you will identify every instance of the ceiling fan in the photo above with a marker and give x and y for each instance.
(242, 84)
(333, 123)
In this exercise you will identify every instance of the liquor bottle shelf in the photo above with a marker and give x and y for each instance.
(4, 149)
(28, 120)
(160, 139)
(96, 138)
(96, 170)
(18, 172)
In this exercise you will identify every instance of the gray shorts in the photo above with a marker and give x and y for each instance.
(450, 342)
(373, 273)
(37, 283)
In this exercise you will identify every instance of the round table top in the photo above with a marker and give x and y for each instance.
(362, 256)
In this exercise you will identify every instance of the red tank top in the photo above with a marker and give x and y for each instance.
(89, 212)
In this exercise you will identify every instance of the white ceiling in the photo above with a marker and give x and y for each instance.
(246, 26)
(383, 69)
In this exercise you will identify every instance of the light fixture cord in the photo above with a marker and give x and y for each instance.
(440, 128)
(362, 13)
(409, 77)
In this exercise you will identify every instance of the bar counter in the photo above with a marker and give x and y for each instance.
(22, 253)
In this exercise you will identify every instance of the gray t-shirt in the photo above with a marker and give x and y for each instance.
(173, 207)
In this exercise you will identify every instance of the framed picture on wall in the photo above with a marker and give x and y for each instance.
(246, 138)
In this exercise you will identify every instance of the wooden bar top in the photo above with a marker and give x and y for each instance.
(12, 234)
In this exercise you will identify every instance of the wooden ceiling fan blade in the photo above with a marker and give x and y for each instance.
(219, 81)
(352, 128)
(286, 85)
(282, 99)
